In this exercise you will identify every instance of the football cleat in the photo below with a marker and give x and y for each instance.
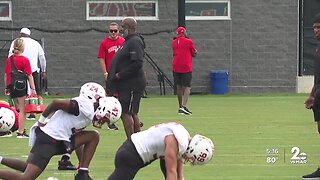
(66, 165)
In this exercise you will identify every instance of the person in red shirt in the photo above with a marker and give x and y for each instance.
(23, 64)
(108, 48)
(183, 50)
(3, 131)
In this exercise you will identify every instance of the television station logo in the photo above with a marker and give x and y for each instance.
(298, 157)
(275, 155)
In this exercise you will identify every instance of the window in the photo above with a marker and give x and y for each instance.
(5, 11)
(116, 10)
(208, 10)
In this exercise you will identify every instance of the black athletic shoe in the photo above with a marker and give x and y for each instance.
(66, 165)
(187, 110)
(113, 127)
(313, 176)
(180, 111)
(6, 134)
(31, 117)
(23, 135)
(82, 176)
(184, 110)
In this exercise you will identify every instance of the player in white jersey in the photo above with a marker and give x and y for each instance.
(168, 141)
(60, 129)
(92, 91)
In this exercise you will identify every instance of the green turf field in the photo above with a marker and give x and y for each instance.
(253, 137)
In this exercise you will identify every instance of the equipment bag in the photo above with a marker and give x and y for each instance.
(18, 78)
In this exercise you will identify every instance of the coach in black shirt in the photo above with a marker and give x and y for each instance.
(126, 76)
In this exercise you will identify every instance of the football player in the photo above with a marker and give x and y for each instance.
(93, 92)
(60, 129)
(170, 142)
(9, 119)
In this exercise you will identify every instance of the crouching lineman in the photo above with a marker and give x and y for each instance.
(170, 142)
(61, 129)
(92, 91)
(9, 119)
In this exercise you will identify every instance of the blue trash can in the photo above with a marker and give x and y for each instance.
(219, 81)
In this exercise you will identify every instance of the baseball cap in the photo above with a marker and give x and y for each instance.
(180, 30)
(25, 31)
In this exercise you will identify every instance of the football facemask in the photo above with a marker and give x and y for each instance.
(99, 121)
(109, 111)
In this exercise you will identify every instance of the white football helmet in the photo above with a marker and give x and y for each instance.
(7, 119)
(200, 150)
(109, 108)
(92, 91)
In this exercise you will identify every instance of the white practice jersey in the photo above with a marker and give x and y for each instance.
(150, 143)
(34, 52)
(62, 124)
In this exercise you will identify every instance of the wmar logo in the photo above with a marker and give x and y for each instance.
(298, 157)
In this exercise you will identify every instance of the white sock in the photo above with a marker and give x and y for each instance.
(84, 169)
(1, 159)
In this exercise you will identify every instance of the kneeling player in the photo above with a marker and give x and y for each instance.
(61, 129)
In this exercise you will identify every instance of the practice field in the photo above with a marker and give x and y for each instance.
(259, 137)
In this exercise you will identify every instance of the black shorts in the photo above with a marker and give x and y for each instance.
(130, 101)
(127, 162)
(17, 93)
(45, 147)
(182, 79)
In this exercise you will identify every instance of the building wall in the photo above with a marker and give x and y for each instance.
(258, 46)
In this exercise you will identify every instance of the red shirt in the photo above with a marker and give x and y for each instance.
(108, 48)
(16, 114)
(22, 63)
(183, 49)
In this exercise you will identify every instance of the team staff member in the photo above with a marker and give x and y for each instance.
(34, 52)
(126, 76)
(313, 101)
(107, 49)
(18, 95)
(169, 141)
(183, 51)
